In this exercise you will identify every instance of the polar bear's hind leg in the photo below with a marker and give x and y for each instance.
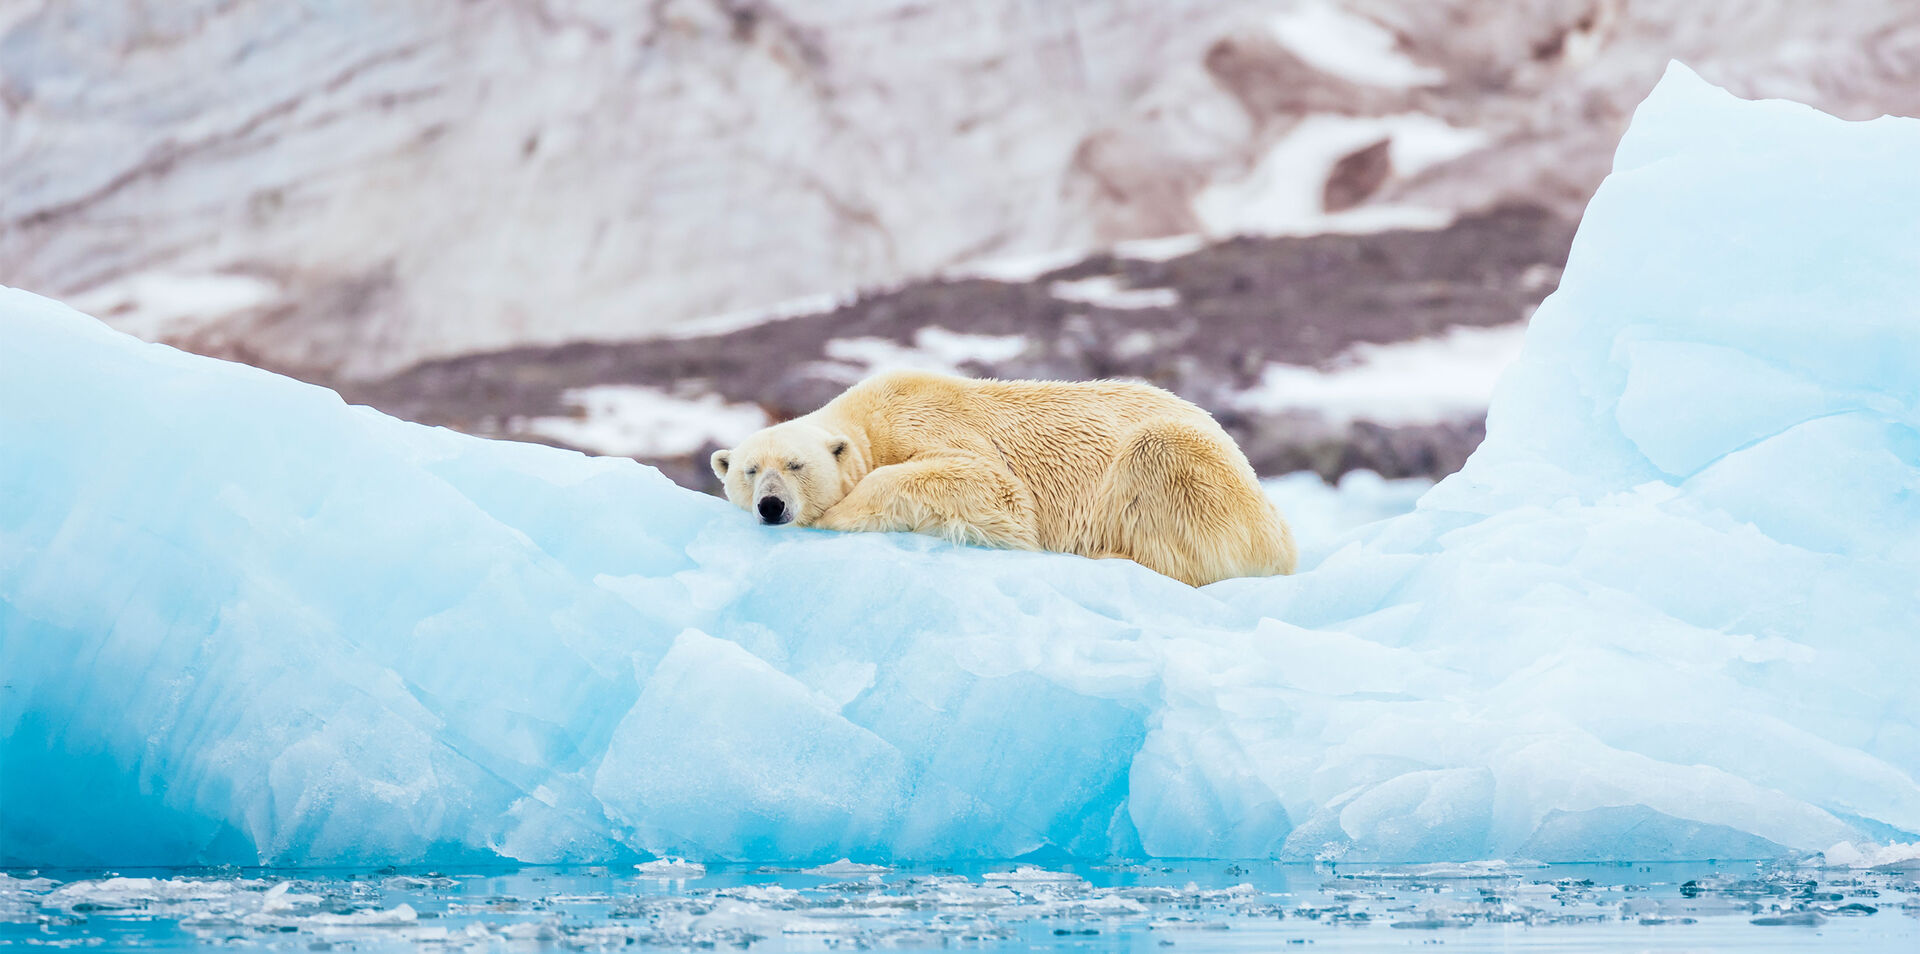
(1183, 502)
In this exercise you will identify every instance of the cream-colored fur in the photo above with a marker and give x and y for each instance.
(1102, 469)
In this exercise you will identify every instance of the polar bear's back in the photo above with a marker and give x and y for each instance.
(1058, 438)
(1051, 421)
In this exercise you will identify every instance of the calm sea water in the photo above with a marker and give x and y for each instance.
(1200, 906)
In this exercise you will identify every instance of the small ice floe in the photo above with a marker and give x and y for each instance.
(1030, 874)
(1451, 871)
(1177, 923)
(671, 867)
(1431, 921)
(400, 915)
(151, 894)
(844, 867)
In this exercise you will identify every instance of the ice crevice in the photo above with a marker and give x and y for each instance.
(1666, 611)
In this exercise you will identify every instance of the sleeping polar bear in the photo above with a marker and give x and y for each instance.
(1101, 469)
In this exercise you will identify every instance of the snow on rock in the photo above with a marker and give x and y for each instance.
(634, 421)
(1349, 46)
(156, 305)
(1445, 376)
(347, 188)
(933, 349)
(1665, 611)
(1108, 291)
(1282, 194)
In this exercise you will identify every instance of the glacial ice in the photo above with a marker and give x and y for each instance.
(1668, 609)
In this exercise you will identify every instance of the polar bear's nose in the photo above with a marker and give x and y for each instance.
(773, 510)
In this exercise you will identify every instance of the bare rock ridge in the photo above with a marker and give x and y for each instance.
(346, 189)
(1207, 325)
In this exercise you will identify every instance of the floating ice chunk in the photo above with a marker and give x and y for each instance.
(140, 892)
(845, 867)
(671, 868)
(400, 915)
(1029, 874)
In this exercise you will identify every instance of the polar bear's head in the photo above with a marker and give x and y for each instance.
(789, 473)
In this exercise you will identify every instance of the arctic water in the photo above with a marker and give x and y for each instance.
(1190, 906)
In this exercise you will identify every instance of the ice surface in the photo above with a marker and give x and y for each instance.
(1666, 611)
(1322, 516)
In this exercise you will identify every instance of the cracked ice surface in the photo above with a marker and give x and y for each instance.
(1666, 611)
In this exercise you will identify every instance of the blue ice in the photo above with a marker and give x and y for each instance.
(1667, 611)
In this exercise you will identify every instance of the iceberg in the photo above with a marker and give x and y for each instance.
(1669, 610)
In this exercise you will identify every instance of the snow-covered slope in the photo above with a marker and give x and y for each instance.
(347, 188)
(1665, 612)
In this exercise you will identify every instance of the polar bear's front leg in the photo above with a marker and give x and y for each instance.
(955, 498)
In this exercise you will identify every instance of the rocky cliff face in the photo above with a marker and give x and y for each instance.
(343, 190)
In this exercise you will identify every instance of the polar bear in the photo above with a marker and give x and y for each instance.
(1101, 469)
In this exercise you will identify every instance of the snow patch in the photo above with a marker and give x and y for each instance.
(933, 349)
(1424, 380)
(737, 319)
(164, 305)
(1016, 269)
(1110, 291)
(1350, 46)
(1019, 269)
(1162, 249)
(634, 421)
(1283, 194)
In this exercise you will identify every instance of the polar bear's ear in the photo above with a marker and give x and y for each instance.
(837, 447)
(720, 460)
